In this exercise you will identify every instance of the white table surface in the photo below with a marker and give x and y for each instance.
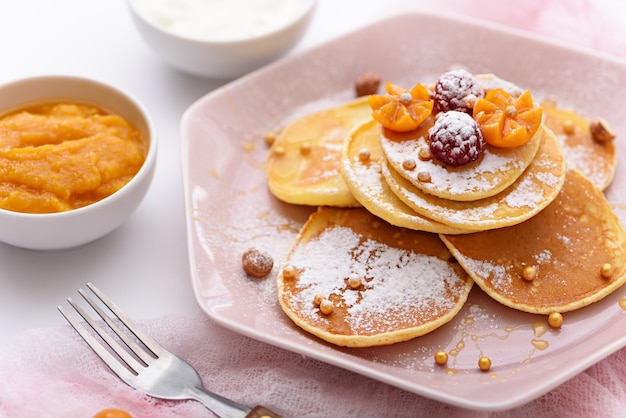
(143, 265)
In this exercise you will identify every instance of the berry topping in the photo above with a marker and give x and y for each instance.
(399, 109)
(456, 90)
(455, 138)
(507, 121)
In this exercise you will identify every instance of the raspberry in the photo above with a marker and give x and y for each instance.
(456, 90)
(455, 138)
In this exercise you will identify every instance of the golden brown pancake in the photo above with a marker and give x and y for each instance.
(596, 160)
(303, 166)
(408, 285)
(365, 180)
(527, 196)
(566, 244)
(495, 170)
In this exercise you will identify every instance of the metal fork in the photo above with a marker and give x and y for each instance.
(145, 365)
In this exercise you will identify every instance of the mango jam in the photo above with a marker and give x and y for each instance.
(57, 157)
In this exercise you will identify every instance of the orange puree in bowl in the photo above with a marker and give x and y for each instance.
(62, 156)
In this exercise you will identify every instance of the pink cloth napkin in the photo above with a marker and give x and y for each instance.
(52, 373)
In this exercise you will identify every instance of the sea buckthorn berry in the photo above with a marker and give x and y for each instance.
(354, 281)
(269, 138)
(568, 126)
(326, 306)
(555, 320)
(364, 154)
(305, 149)
(456, 90)
(455, 139)
(424, 176)
(606, 270)
(112, 413)
(318, 298)
(257, 263)
(441, 357)
(484, 363)
(425, 154)
(280, 151)
(399, 109)
(289, 272)
(409, 164)
(529, 273)
(507, 121)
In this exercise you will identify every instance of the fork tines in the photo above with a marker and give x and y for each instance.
(125, 359)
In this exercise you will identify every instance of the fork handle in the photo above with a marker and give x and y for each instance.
(262, 412)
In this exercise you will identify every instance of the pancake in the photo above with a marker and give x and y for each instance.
(566, 244)
(408, 285)
(495, 170)
(303, 166)
(367, 185)
(531, 192)
(597, 160)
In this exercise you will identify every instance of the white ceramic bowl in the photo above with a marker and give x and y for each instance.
(53, 231)
(220, 59)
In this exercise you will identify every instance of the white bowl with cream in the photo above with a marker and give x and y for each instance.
(221, 39)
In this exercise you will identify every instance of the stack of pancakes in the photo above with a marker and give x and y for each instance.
(398, 241)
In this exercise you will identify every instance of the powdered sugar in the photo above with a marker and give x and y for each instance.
(455, 139)
(500, 278)
(578, 157)
(393, 279)
(483, 177)
(456, 90)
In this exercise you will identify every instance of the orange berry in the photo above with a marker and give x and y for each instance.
(399, 109)
(112, 413)
(506, 121)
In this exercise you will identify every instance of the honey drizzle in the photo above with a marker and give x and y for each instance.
(469, 333)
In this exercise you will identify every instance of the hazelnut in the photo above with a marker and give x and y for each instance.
(367, 84)
(601, 130)
(257, 263)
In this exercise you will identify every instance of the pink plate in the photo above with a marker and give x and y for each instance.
(229, 208)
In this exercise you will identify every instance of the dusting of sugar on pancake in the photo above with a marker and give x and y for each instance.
(393, 279)
(365, 180)
(568, 244)
(528, 195)
(495, 169)
(408, 284)
(596, 160)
